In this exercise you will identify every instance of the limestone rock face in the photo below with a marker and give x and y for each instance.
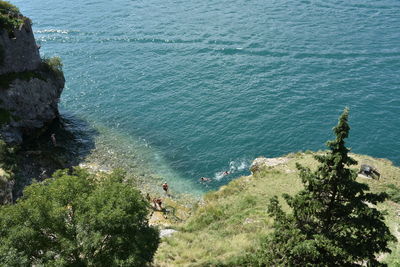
(20, 52)
(29, 88)
(263, 162)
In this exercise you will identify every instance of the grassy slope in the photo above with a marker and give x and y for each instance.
(231, 220)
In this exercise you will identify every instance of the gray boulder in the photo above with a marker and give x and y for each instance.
(369, 171)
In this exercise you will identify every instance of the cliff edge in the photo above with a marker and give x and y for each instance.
(30, 87)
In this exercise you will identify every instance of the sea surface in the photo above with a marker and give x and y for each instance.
(185, 89)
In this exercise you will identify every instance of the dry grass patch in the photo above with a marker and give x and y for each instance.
(231, 220)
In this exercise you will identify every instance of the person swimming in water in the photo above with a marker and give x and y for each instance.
(226, 173)
(205, 179)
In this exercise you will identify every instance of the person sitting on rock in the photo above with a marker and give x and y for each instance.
(157, 202)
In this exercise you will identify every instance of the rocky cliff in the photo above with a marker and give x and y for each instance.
(30, 87)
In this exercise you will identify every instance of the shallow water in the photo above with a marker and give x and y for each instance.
(193, 88)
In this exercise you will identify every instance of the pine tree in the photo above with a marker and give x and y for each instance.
(334, 221)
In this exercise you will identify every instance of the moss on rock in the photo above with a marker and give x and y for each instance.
(10, 16)
(51, 66)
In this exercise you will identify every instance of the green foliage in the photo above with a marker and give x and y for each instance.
(333, 221)
(10, 17)
(8, 8)
(394, 192)
(7, 156)
(7, 168)
(52, 65)
(78, 219)
(239, 208)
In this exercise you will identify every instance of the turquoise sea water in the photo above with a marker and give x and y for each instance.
(192, 88)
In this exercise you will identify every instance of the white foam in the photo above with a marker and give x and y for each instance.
(234, 167)
(219, 175)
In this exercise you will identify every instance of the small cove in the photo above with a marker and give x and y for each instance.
(180, 90)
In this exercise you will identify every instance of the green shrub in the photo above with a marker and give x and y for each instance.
(7, 8)
(10, 17)
(52, 65)
(78, 219)
(7, 167)
(7, 157)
